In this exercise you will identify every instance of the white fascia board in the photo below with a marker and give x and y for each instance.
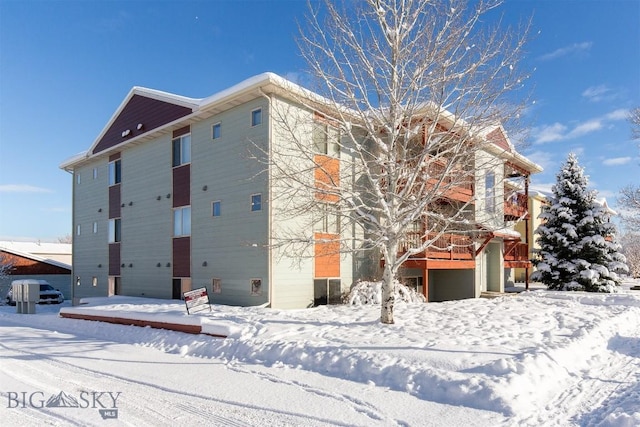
(514, 157)
(71, 161)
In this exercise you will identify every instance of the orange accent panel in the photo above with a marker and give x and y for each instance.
(327, 177)
(327, 255)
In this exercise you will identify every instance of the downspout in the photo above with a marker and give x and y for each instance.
(269, 198)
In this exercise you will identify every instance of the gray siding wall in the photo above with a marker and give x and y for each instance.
(147, 223)
(292, 274)
(90, 250)
(233, 245)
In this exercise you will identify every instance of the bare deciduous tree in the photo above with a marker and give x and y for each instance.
(629, 197)
(634, 118)
(6, 265)
(631, 249)
(629, 201)
(411, 91)
(65, 239)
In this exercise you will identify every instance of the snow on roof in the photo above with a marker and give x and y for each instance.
(58, 254)
(544, 192)
(603, 202)
(73, 159)
(201, 105)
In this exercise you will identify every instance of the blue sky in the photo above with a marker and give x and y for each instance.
(65, 66)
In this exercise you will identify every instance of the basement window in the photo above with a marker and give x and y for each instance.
(256, 286)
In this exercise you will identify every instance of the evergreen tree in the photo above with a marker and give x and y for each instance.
(578, 250)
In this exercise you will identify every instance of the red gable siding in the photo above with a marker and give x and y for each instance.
(114, 202)
(497, 137)
(182, 257)
(114, 259)
(181, 186)
(151, 113)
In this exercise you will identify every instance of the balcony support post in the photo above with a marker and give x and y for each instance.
(527, 218)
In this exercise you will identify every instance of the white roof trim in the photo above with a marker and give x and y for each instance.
(36, 258)
(263, 80)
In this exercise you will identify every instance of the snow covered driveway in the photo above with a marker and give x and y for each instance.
(541, 358)
(42, 355)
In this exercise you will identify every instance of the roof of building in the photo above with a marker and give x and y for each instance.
(58, 254)
(186, 110)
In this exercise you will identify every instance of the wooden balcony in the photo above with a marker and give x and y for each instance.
(457, 185)
(448, 251)
(515, 207)
(516, 255)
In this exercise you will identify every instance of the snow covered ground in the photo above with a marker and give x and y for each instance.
(531, 359)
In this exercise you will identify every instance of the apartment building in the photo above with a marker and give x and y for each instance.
(171, 197)
(483, 258)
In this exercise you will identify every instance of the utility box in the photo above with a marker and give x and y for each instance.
(26, 294)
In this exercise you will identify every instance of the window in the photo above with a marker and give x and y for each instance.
(216, 286)
(490, 192)
(114, 230)
(328, 219)
(215, 208)
(327, 291)
(95, 173)
(256, 286)
(115, 172)
(256, 202)
(78, 229)
(182, 221)
(181, 150)
(95, 227)
(256, 117)
(215, 131)
(78, 178)
(326, 139)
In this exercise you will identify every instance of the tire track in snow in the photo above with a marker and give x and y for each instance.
(356, 404)
(135, 405)
(38, 373)
(606, 376)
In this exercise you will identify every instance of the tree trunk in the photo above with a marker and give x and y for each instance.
(388, 297)
(388, 285)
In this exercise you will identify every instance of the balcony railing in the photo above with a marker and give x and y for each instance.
(515, 205)
(516, 254)
(460, 183)
(447, 246)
